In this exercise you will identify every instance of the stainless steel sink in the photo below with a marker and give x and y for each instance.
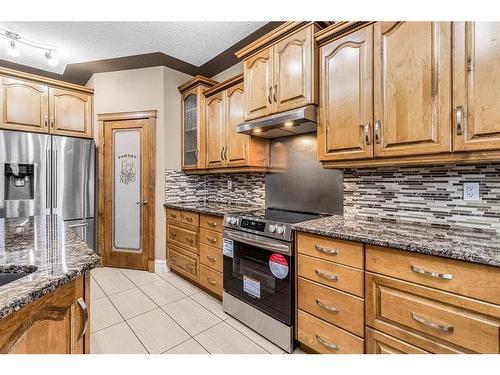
(8, 277)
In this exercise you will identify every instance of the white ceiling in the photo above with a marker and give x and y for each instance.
(193, 42)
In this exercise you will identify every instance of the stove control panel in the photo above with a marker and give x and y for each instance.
(253, 225)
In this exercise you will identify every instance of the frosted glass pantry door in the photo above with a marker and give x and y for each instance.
(127, 196)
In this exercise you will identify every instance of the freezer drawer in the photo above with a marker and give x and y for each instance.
(85, 229)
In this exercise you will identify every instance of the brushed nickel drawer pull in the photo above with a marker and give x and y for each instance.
(325, 250)
(85, 311)
(173, 258)
(275, 93)
(327, 275)
(211, 258)
(190, 266)
(368, 138)
(173, 216)
(190, 240)
(269, 94)
(173, 234)
(439, 326)
(445, 276)
(331, 309)
(211, 240)
(377, 132)
(211, 281)
(211, 224)
(189, 219)
(326, 344)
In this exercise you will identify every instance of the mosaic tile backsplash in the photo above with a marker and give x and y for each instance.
(432, 195)
(247, 188)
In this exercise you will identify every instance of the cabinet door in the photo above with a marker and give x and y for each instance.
(236, 143)
(412, 89)
(215, 131)
(70, 113)
(476, 86)
(191, 155)
(23, 105)
(293, 71)
(346, 106)
(258, 78)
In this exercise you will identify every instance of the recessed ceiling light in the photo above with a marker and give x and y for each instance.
(12, 50)
(51, 60)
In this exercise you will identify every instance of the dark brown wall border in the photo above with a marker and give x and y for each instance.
(80, 73)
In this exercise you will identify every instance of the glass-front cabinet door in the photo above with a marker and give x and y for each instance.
(193, 122)
(191, 130)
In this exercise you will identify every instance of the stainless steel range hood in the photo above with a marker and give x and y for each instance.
(296, 121)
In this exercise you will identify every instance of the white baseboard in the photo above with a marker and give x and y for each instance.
(161, 266)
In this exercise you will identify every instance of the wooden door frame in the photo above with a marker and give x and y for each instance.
(118, 116)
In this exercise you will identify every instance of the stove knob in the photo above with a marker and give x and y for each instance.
(228, 219)
(280, 230)
(272, 228)
(233, 221)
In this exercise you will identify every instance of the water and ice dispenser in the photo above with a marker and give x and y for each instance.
(19, 181)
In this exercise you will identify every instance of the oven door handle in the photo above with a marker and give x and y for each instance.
(259, 241)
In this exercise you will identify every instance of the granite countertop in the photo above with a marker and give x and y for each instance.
(456, 243)
(212, 207)
(44, 244)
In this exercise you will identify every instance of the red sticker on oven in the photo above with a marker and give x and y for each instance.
(278, 265)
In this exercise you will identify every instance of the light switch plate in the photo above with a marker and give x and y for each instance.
(229, 184)
(471, 191)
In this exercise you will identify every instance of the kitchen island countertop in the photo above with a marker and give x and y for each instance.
(47, 248)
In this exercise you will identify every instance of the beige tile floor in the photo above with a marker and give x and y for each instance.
(136, 312)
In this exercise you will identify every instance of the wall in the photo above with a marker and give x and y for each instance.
(229, 72)
(431, 195)
(147, 89)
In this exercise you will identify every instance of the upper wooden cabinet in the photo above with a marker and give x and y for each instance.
(412, 86)
(24, 105)
(280, 70)
(346, 101)
(193, 122)
(476, 99)
(226, 148)
(71, 113)
(28, 103)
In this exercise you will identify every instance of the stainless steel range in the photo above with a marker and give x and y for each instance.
(259, 271)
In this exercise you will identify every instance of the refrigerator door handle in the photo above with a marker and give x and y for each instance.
(54, 179)
(47, 179)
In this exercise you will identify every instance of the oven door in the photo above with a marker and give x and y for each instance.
(259, 271)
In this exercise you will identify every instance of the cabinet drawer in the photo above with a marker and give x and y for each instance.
(440, 316)
(173, 214)
(325, 338)
(335, 307)
(344, 252)
(191, 218)
(183, 237)
(182, 262)
(210, 237)
(380, 343)
(212, 222)
(210, 279)
(468, 279)
(331, 274)
(211, 257)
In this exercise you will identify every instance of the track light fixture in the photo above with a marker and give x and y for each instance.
(13, 51)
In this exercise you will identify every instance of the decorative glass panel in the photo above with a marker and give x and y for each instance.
(190, 129)
(127, 218)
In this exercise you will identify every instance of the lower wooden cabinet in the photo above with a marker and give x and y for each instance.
(380, 343)
(194, 248)
(55, 324)
(326, 338)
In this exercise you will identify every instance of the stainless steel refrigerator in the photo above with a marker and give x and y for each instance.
(46, 174)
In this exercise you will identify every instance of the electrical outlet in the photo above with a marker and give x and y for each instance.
(471, 191)
(229, 184)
